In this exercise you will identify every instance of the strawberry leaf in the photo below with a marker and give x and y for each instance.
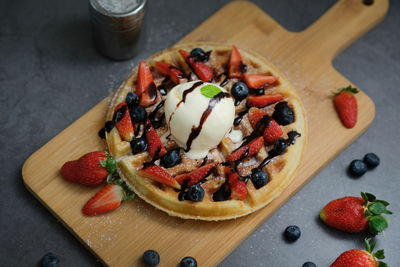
(210, 91)
(103, 163)
(382, 264)
(379, 254)
(383, 202)
(364, 196)
(367, 213)
(349, 89)
(367, 245)
(370, 197)
(377, 224)
(376, 208)
(110, 178)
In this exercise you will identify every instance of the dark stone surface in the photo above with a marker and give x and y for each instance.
(50, 75)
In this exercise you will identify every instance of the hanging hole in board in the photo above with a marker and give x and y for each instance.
(368, 2)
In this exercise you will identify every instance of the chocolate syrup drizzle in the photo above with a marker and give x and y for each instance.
(184, 95)
(196, 130)
(239, 118)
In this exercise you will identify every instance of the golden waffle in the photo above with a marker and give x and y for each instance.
(281, 169)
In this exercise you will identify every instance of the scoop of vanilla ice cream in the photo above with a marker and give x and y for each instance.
(198, 120)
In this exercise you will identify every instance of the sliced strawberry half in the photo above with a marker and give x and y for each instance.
(145, 87)
(201, 69)
(263, 100)
(258, 81)
(158, 174)
(255, 115)
(107, 199)
(248, 150)
(235, 63)
(272, 131)
(123, 122)
(195, 176)
(155, 146)
(237, 186)
(171, 71)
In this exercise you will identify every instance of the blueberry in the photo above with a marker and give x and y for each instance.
(195, 193)
(138, 114)
(280, 146)
(239, 91)
(259, 91)
(151, 258)
(109, 126)
(132, 99)
(222, 194)
(50, 260)
(188, 262)
(170, 159)
(199, 54)
(309, 264)
(283, 114)
(372, 160)
(292, 233)
(357, 168)
(138, 145)
(102, 133)
(259, 178)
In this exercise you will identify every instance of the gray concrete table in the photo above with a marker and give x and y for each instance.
(50, 75)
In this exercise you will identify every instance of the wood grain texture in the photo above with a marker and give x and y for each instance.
(119, 238)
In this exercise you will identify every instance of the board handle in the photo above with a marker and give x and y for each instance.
(341, 25)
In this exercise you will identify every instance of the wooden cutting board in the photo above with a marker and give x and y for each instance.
(120, 237)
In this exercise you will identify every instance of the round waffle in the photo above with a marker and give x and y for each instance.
(281, 169)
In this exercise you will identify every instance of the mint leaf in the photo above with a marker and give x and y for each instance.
(210, 91)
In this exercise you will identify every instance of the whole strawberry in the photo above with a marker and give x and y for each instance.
(346, 106)
(355, 214)
(360, 258)
(91, 169)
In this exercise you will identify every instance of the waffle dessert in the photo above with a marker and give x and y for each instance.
(206, 131)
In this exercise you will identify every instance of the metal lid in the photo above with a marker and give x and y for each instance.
(117, 21)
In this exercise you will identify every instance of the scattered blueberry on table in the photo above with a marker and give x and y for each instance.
(372, 160)
(49, 260)
(309, 264)
(357, 168)
(188, 262)
(292, 233)
(151, 257)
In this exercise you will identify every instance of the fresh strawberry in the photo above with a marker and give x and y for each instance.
(107, 199)
(248, 150)
(235, 63)
(123, 122)
(263, 100)
(272, 131)
(158, 174)
(346, 106)
(145, 87)
(237, 186)
(355, 214)
(255, 81)
(195, 176)
(201, 69)
(361, 258)
(255, 115)
(91, 169)
(155, 146)
(171, 71)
